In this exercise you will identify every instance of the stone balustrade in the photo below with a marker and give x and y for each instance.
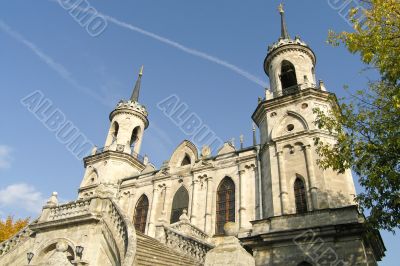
(190, 229)
(117, 230)
(9, 244)
(185, 238)
(71, 209)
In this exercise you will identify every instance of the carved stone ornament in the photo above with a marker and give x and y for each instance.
(205, 151)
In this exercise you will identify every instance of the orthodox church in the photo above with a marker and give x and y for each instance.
(268, 204)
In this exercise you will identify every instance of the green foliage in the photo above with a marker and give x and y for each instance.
(368, 125)
(376, 36)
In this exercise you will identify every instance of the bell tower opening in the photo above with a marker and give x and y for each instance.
(288, 75)
(115, 132)
(135, 136)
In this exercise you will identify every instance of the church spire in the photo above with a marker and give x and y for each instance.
(284, 31)
(136, 90)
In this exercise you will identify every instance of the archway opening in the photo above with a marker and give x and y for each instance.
(186, 160)
(134, 136)
(288, 75)
(114, 132)
(179, 203)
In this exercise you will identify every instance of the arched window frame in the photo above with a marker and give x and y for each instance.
(178, 207)
(288, 75)
(300, 195)
(135, 136)
(142, 205)
(114, 132)
(225, 204)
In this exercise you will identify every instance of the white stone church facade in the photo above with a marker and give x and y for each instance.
(286, 209)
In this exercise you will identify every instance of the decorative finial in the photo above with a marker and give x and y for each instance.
(241, 141)
(254, 135)
(136, 90)
(141, 71)
(284, 31)
(280, 8)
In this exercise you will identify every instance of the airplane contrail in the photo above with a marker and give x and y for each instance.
(172, 43)
(188, 50)
(57, 67)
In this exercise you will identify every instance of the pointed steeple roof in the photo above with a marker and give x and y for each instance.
(136, 90)
(284, 30)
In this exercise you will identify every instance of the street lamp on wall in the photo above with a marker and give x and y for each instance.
(29, 256)
(79, 251)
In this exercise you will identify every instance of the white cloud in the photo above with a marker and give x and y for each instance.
(5, 156)
(21, 195)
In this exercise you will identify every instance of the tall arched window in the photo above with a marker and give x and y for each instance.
(288, 75)
(180, 203)
(115, 130)
(225, 204)
(135, 136)
(300, 196)
(142, 207)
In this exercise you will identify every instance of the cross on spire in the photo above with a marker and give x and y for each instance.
(284, 31)
(136, 90)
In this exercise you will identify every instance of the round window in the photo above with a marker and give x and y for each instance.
(290, 127)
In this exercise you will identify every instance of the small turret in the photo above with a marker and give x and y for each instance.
(289, 63)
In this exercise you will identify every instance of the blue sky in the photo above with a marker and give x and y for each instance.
(42, 47)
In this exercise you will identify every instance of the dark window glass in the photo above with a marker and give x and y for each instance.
(288, 75)
(180, 203)
(300, 196)
(225, 204)
(142, 207)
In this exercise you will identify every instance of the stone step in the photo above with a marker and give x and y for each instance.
(150, 252)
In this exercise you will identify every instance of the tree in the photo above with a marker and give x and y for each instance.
(9, 227)
(367, 125)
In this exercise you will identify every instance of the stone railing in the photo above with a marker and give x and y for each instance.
(185, 238)
(117, 229)
(187, 245)
(9, 244)
(68, 210)
(123, 232)
(190, 229)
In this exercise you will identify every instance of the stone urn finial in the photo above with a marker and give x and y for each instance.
(53, 200)
(230, 229)
(184, 217)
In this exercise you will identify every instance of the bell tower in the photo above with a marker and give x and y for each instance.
(127, 123)
(120, 157)
(292, 181)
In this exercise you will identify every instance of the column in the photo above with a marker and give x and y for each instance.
(311, 176)
(194, 202)
(242, 209)
(166, 190)
(152, 213)
(209, 201)
(282, 183)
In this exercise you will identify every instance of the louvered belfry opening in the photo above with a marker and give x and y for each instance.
(225, 204)
(300, 196)
(142, 207)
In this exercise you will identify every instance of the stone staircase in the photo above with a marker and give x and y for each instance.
(153, 253)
